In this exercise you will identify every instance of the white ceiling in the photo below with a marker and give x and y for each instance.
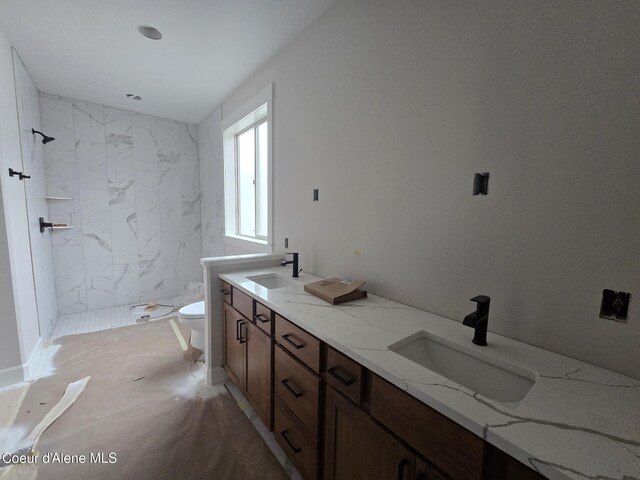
(91, 49)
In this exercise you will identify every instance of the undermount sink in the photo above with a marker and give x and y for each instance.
(270, 281)
(490, 377)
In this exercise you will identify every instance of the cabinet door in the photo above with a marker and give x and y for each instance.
(259, 372)
(234, 345)
(450, 447)
(357, 448)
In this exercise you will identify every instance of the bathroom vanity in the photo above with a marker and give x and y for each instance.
(349, 391)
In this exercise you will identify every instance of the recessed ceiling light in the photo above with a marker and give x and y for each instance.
(131, 96)
(149, 32)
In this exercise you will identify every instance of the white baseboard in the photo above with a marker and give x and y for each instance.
(11, 376)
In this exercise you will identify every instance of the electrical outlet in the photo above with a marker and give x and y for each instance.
(615, 305)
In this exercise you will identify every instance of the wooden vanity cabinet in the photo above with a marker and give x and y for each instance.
(235, 352)
(248, 353)
(452, 448)
(297, 396)
(355, 447)
(337, 420)
(258, 372)
(298, 388)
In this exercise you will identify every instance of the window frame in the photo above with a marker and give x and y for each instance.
(251, 114)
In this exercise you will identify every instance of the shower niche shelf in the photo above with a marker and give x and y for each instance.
(52, 226)
(48, 197)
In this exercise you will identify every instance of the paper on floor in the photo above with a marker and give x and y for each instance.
(26, 471)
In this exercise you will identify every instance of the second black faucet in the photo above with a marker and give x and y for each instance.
(479, 320)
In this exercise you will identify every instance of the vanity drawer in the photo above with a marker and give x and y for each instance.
(450, 447)
(299, 343)
(242, 303)
(344, 375)
(296, 441)
(298, 388)
(263, 318)
(225, 291)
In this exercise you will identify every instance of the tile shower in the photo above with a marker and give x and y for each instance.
(131, 184)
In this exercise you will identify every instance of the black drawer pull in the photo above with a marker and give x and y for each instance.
(262, 318)
(401, 466)
(292, 446)
(224, 291)
(341, 376)
(295, 345)
(293, 392)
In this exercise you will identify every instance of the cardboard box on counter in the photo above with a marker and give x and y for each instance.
(335, 290)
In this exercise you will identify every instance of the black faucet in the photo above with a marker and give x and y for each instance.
(295, 263)
(479, 320)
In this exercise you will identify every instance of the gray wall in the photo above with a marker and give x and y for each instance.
(134, 181)
(389, 108)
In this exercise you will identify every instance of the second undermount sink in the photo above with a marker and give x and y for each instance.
(271, 281)
(490, 377)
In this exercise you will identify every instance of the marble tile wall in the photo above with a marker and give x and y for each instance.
(134, 181)
(212, 184)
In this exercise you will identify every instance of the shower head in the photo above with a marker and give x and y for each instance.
(45, 139)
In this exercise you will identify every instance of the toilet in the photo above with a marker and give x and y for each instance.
(192, 316)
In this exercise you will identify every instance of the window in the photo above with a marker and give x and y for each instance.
(247, 146)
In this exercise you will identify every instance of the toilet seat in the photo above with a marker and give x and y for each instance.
(194, 310)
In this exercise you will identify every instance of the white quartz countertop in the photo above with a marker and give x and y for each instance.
(578, 421)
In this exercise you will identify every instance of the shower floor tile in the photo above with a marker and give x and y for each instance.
(96, 320)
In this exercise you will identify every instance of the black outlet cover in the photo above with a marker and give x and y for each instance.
(615, 305)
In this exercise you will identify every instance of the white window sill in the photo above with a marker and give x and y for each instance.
(252, 244)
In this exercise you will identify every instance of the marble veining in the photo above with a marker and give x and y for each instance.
(211, 184)
(122, 171)
(578, 421)
(118, 121)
